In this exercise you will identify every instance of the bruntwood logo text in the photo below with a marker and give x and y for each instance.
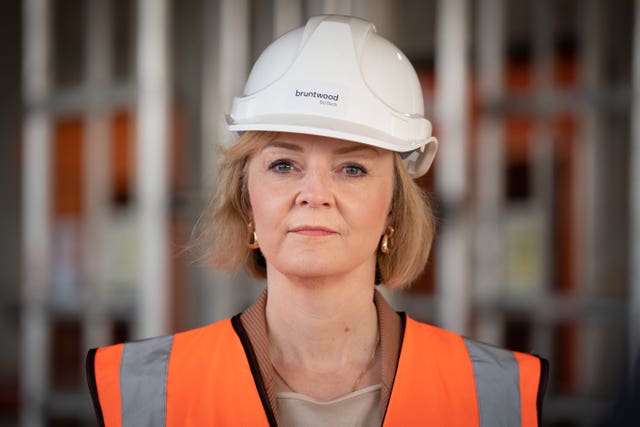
(325, 98)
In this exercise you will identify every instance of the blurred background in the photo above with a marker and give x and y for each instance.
(109, 118)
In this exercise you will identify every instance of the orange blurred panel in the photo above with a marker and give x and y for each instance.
(68, 156)
(518, 76)
(518, 132)
(565, 130)
(122, 156)
(565, 70)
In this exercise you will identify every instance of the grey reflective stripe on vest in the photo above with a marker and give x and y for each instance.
(143, 381)
(497, 377)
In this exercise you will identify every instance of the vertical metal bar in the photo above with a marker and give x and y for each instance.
(634, 250)
(541, 154)
(96, 168)
(489, 245)
(36, 234)
(453, 251)
(36, 206)
(211, 116)
(590, 64)
(340, 7)
(541, 159)
(287, 15)
(226, 66)
(383, 13)
(592, 339)
(541, 148)
(210, 109)
(152, 139)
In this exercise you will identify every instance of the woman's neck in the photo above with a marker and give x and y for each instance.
(321, 329)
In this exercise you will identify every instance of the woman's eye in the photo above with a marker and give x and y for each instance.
(281, 166)
(354, 170)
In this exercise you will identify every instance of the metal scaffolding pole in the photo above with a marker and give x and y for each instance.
(489, 244)
(541, 158)
(453, 252)
(36, 207)
(634, 250)
(592, 40)
(153, 138)
(287, 15)
(541, 150)
(341, 7)
(96, 169)
(225, 69)
(593, 177)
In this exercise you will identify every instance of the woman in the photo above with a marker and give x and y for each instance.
(317, 197)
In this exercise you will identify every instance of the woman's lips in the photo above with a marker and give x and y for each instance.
(311, 230)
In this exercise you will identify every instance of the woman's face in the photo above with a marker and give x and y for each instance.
(320, 204)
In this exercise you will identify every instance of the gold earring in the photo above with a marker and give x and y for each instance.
(387, 240)
(253, 239)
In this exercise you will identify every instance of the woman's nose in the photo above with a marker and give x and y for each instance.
(316, 190)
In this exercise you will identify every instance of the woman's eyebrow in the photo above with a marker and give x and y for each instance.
(340, 150)
(285, 145)
(356, 147)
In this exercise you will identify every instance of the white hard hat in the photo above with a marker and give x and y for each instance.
(336, 77)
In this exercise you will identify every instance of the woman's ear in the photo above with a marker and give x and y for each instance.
(247, 215)
(245, 205)
(389, 220)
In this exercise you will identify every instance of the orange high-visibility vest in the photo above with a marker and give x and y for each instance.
(209, 376)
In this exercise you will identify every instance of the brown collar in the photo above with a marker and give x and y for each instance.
(390, 324)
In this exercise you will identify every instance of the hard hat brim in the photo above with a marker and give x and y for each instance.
(417, 164)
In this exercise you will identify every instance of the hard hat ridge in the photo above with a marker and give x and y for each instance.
(336, 77)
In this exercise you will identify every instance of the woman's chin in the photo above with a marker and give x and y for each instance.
(319, 265)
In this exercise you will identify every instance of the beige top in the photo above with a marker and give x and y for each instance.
(390, 325)
(360, 408)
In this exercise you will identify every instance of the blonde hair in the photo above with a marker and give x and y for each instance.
(222, 234)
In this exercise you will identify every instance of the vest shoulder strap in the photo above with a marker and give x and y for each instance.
(445, 379)
(507, 384)
(434, 380)
(124, 375)
(193, 378)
